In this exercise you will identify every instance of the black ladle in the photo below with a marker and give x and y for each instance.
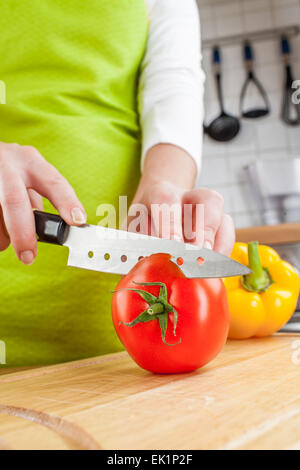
(225, 127)
(251, 78)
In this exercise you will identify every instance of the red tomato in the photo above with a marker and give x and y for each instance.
(201, 306)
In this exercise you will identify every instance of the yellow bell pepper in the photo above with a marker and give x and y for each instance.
(260, 303)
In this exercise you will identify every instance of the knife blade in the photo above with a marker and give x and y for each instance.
(116, 251)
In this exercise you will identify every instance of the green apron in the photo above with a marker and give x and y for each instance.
(71, 69)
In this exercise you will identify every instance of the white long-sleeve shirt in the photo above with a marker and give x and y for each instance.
(172, 81)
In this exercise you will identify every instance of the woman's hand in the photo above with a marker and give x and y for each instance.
(25, 176)
(167, 179)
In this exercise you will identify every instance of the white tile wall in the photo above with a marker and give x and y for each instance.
(265, 138)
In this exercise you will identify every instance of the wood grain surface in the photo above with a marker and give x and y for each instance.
(270, 234)
(247, 398)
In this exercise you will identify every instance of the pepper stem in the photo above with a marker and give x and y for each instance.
(260, 279)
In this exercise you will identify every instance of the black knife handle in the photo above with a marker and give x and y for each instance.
(50, 228)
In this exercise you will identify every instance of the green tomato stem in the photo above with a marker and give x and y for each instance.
(156, 308)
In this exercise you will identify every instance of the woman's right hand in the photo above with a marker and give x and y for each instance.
(25, 176)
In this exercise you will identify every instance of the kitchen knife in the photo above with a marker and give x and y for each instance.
(117, 251)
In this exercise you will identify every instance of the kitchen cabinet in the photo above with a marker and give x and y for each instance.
(247, 398)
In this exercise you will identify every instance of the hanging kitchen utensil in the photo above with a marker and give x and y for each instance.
(251, 79)
(290, 112)
(225, 127)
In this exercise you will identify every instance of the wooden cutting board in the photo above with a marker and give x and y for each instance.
(247, 398)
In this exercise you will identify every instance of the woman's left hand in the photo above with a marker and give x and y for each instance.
(217, 228)
(168, 175)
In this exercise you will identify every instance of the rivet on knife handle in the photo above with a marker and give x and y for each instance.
(50, 228)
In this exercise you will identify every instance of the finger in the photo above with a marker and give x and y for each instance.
(138, 220)
(213, 205)
(49, 183)
(18, 215)
(165, 205)
(225, 236)
(4, 238)
(36, 200)
(193, 224)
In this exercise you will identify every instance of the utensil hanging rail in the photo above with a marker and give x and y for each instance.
(289, 31)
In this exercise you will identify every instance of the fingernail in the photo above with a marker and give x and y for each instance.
(27, 257)
(207, 244)
(78, 216)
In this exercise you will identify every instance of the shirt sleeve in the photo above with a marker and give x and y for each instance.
(171, 83)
